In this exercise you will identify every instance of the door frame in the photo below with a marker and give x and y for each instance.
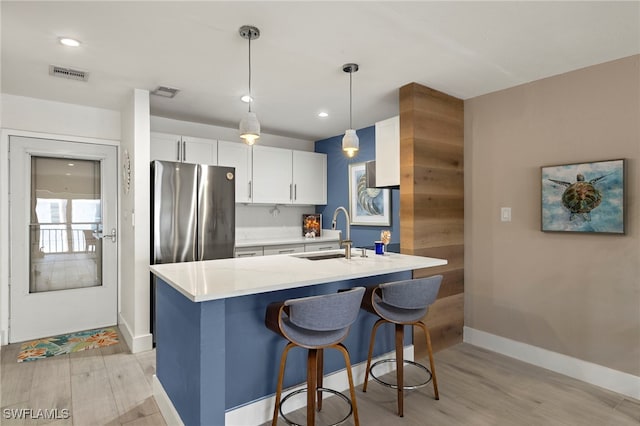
(5, 237)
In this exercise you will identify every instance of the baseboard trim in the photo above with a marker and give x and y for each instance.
(598, 375)
(165, 405)
(135, 343)
(261, 411)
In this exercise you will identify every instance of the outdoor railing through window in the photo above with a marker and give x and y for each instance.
(47, 238)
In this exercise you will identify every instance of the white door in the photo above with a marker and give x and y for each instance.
(63, 215)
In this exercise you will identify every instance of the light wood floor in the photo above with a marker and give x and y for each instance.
(106, 386)
(109, 386)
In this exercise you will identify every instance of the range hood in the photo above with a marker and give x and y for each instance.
(370, 173)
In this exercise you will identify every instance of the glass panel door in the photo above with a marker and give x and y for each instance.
(65, 220)
(64, 274)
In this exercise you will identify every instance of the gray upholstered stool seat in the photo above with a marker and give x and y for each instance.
(315, 323)
(402, 303)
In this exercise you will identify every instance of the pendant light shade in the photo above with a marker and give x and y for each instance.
(350, 141)
(250, 128)
(249, 125)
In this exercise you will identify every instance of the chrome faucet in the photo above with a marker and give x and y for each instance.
(346, 243)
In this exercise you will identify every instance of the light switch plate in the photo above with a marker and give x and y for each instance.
(505, 214)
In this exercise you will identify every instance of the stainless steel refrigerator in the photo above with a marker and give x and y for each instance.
(192, 214)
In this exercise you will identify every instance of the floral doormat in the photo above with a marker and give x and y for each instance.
(67, 343)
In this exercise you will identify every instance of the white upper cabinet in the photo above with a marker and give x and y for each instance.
(388, 152)
(284, 176)
(272, 175)
(309, 178)
(185, 149)
(238, 155)
(199, 151)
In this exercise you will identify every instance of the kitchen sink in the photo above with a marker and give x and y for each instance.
(322, 256)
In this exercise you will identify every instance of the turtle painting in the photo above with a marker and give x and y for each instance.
(581, 196)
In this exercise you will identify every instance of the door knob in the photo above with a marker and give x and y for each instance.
(112, 235)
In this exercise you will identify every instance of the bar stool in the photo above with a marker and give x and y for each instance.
(402, 303)
(315, 323)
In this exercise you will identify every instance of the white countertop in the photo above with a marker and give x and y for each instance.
(224, 278)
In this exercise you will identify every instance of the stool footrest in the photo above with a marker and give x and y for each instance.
(334, 392)
(391, 385)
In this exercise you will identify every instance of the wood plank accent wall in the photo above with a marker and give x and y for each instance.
(432, 202)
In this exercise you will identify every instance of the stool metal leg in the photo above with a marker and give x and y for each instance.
(352, 390)
(283, 361)
(372, 341)
(427, 335)
(400, 367)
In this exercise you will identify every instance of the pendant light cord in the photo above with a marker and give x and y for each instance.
(250, 97)
(350, 98)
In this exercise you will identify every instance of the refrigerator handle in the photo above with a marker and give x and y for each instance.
(184, 151)
(250, 195)
(295, 191)
(291, 191)
(178, 156)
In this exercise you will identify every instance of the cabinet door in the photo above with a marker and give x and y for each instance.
(309, 178)
(283, 249)
(249, 251)
(388, 152)
(272, 175)
(238, 155)
(165, 147)
(329, 245)
(199, 151)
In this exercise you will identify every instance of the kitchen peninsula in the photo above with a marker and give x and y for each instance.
(214, 354)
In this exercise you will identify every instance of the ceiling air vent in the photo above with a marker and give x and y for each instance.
(68, 73)
(165, 91)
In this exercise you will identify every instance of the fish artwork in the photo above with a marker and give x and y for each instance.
(581, 197)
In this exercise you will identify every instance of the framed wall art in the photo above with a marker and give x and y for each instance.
(367, 206)
(311, 225)
(584, 197)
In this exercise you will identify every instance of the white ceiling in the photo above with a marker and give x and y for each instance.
(465, 49)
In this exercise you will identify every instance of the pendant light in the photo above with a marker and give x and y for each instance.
(249, 125)
(350, 141)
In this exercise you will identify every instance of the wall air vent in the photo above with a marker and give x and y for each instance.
(68, 73)
(165, 91)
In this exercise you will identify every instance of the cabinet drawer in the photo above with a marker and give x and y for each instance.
(329, 245)
(284, 249)
(249, 252)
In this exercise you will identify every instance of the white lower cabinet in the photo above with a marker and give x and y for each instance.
(249, 251)
(329, 245)
(284, 249)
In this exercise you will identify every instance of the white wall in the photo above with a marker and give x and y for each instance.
(134, 316)
(47, 119)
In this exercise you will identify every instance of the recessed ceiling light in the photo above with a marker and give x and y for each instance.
(323, 114)
(246, 99)
(70, 164)
(69, 42)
